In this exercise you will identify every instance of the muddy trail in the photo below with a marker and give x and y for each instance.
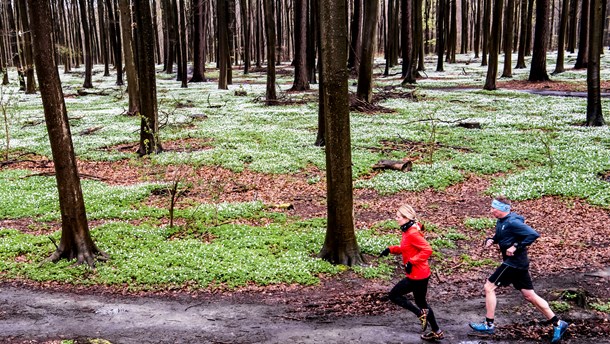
(344, 310)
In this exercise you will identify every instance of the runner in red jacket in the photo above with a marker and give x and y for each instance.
(415, 252)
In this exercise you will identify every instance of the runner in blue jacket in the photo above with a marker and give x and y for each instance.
(514, 237)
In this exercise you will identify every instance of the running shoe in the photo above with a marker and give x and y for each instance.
(559, 330)
(483, 327)
(433, 336)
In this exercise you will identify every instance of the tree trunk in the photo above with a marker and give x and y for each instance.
(453, 32)
(103, 37)
(522, 38)
(183, 48)
(563, 26)
(494, 45)
(583, 44)
(340, 245)
(353, 61)
(245, 22)
(198, 42)
(115, 39)
(149, 126)
(301, 75)
(223, 43)
(231, 36)
(30, 87)
(364, 91)
(133, 87)
(406, 35)
(477, 30)
(75, 242)
(440, 34)
(486, 28)
(595, 116)
(528, 30)
(538, 68)
(573, 25)
(271, 96)
(464, 34)
(508, 39)
(88, 53)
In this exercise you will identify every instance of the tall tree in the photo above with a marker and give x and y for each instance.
(573, 25)
(464, 34)
(115, 39)
(245, 22)
(82, 4)
(301, 75)
(223, 43)
(452, 42)
(563, 28)
(356, 36)
(406, 35)
(486, 28)
(76, 242)
(133, 87)
(149, 124)
(538, 68)
(198, 42)
(340, 245)
(522, 33)
(477, 29)
(508, 38)
(103, 37)
(494, 46)
(364, 91)
(182, 73)
(440, 34)
(30, 87)
(595, 116)
(271, 96)
(582, 58)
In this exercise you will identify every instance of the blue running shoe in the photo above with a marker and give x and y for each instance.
(483, 327)
(559, 330)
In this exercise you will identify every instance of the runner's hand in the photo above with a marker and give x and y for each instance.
(511, 251)
(489, 242)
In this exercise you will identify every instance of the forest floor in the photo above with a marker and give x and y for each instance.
(343, 308)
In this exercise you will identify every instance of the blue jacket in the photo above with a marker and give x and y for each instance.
(511, 230)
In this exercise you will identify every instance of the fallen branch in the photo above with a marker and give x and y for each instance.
(404, 166)
(50, 174)
(89, 131)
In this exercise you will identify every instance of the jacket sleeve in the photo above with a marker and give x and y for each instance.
(425, 250)
(524, 235)
(395, 249)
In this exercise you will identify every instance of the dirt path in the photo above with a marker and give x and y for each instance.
(31, 315)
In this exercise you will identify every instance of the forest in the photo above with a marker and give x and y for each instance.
(213, 148)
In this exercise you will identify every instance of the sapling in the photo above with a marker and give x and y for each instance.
(8, 108)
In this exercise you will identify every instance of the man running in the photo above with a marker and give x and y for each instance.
(513, 236)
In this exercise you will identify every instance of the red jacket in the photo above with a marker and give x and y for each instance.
(415, 249)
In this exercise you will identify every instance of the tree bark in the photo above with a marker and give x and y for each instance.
(477, 29)
(486, 28)
(87, 38)
(508, 39)
(494, 45)
(340, 245)
(149, 125)
(198, 42)
(223, 43)
(271, 96)
(115, 39)
(75, 242)
(30, 86)
(522, 38)
(583, 44)
(133, 87)
(353, 61)
(364, 90)
(563, 27)
(183, 48)
(406, 27)
(573, 25)
(538, 68)
(595, 115)
(440, 35)
(301, 75)
(245, 22)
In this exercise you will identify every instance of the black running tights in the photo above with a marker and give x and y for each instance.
(419, 289)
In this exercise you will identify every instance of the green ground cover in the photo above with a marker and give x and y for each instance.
(531, 145)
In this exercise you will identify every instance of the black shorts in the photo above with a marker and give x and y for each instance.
(506, 275)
